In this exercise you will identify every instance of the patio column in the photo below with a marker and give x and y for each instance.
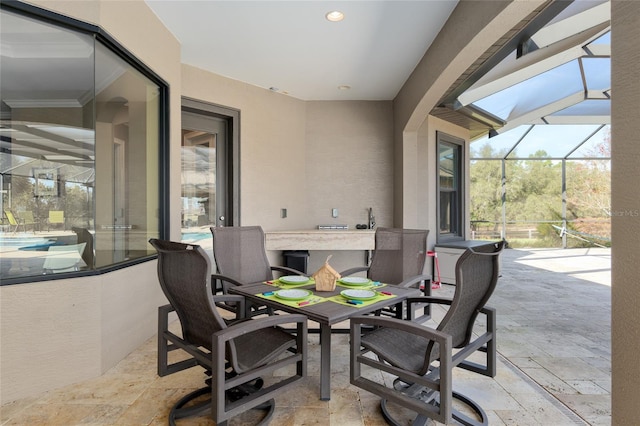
(625, 207)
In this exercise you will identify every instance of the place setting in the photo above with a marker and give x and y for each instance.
(289, 281)
(360, 297)
(359, 283)
(295, 297)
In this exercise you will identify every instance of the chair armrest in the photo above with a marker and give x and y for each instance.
(288, 271)
(352, 271)
(398, 324)
(166, 309)
(249, 326)
(488, 310)
(224, 280)
(232, 298)
(228, 298)
(411, 281)
(429, 299)
(424, 300)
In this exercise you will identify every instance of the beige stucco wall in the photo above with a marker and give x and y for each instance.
(349, 162)
(625, 203)
(349, 166)
(55, 333)
(272, 148)
(306, 157)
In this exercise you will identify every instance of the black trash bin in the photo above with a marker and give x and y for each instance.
(296, 259)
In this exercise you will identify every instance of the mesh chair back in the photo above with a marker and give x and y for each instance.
(476, 277)
(56, 216)
(27, 217)
(399, 254)
(184, 272)
(11, 218)
(239, 253)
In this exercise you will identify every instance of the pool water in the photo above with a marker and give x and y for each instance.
(23, 241)
(195, 236)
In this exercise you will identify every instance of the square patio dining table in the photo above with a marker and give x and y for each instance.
(330, 311)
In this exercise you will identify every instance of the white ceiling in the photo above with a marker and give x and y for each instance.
(291, 47)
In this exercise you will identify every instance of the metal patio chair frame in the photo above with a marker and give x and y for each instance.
(398, 259)
(240, 257)
(422, 358)
(235, 353)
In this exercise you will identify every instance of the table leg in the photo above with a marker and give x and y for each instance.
(325, 362)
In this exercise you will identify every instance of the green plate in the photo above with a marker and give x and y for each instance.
(359, 294)
(294, 279)
(293, 294)
(355, 281)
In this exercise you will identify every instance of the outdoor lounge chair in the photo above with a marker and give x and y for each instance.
(234, 353)
(398, 259)
(26, 218)
(56, 217)
(240, 255)
(17, 220)
(422, 358)
(13, 222)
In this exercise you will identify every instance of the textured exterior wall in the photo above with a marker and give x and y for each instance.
(625, 205)
(55, 333)
(349, 162)
(272, 147)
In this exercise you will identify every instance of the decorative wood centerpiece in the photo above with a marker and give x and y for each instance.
(326, 277)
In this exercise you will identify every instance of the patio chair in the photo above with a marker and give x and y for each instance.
(63, 258)
(20, 219)
(422, 358)
(56, 217)
(398, 259)
(240, 255)
(26, 218)
(234, 353)
(12, 220)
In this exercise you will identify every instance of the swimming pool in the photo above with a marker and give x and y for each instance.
(195, 236)
(23, 241)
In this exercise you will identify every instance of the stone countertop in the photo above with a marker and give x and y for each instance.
(321, 239)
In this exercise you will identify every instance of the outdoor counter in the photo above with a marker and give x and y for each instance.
(321, 239)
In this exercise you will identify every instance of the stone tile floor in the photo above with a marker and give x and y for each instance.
(553, 365)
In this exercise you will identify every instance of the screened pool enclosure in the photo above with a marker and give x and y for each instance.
(540, 176)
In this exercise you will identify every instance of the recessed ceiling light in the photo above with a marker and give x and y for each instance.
(344, 87)
(335, 16)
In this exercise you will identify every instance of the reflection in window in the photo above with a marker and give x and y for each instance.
(199, 153)
(79, 157)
